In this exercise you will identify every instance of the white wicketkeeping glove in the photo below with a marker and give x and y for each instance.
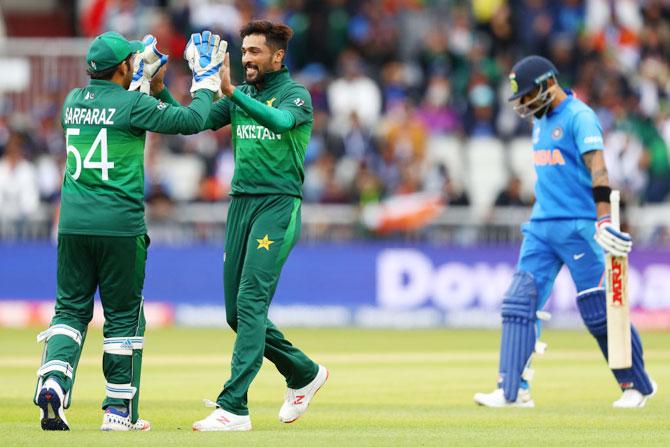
(146, 65)
(205, 53)
(614, 242)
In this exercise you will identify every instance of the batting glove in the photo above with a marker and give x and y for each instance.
(204, 54)
(146, 65)
(614, 242)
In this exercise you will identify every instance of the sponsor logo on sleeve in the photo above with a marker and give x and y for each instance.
(298, 102)
(593, 139)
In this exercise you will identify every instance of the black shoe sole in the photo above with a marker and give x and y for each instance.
(46, 400)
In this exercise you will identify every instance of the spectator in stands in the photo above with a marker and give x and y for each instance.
(480, 117)
(436, 113)
(127, 17)
(353, 92)
(19, 196)
(656, 157)
(511, 194)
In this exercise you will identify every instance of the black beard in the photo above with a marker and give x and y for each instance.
(259, 77)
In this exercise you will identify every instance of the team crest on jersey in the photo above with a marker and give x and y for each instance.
(161, 105)
(557, 133)
(89, 95)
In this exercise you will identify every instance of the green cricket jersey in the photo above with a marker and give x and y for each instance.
(105, 128)
(270, 155)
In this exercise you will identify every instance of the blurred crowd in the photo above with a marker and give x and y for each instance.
(388, 78)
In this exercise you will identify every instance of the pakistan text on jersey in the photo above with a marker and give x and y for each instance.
(84, 115)
(255, 132)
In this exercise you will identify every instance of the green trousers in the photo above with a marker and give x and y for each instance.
(115, 266)
(260, 233)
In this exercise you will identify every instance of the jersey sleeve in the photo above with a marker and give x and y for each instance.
(298, 102)
(167, 97)
(149, 113)
(275, 119)
(219, 116)
(65, 103)
(587, 132)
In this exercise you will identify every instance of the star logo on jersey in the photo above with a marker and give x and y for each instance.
(557, 133)
(298, 102)
(270, 101)
(264, 243)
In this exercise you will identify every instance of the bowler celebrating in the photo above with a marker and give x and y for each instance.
(271, 118)
(572, 193)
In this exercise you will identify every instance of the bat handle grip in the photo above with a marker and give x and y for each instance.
(615, 199)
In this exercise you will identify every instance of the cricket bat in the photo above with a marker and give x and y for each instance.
(619, 351)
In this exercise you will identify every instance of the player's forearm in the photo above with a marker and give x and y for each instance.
(599, 179)
(195, 115)
(165, 96)
(276, 120)
(154, 116)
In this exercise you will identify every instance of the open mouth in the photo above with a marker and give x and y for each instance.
(250, 71)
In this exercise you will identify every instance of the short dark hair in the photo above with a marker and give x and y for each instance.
(276, 35)
(106, 75)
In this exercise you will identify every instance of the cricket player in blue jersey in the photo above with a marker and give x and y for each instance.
(569, 225)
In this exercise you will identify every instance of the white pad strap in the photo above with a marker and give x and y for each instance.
(122, 345)
(60, 329)
(56, 365)
(120, 391)
(528, 374)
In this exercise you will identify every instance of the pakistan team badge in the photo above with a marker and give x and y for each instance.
(557, 133)
(513, 85)
(264, 243)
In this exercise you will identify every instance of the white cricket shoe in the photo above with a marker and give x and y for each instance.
(222, 420)
(118, 420)
(296, 401)
(632, 398)
(51, 401)
(496, 399)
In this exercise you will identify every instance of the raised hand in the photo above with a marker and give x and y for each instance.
(146, 65)
(205, 54)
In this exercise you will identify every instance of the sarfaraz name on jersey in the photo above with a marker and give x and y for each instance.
(94, 116)
(255, 132)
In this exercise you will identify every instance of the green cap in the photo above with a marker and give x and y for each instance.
(109, 50)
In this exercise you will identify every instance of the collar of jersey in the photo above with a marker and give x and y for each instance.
(274, 77)
(103, 83)
(564, 103)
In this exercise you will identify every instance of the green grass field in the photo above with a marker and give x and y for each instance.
(386, 388)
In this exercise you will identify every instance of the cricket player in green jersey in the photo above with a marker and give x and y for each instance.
(271, 118)
(102, 241)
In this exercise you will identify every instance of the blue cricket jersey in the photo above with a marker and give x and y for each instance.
(560, 138)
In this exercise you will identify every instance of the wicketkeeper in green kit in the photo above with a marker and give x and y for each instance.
(102, 241)
(271, 118)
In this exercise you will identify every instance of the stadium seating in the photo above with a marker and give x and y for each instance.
(487, 172)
